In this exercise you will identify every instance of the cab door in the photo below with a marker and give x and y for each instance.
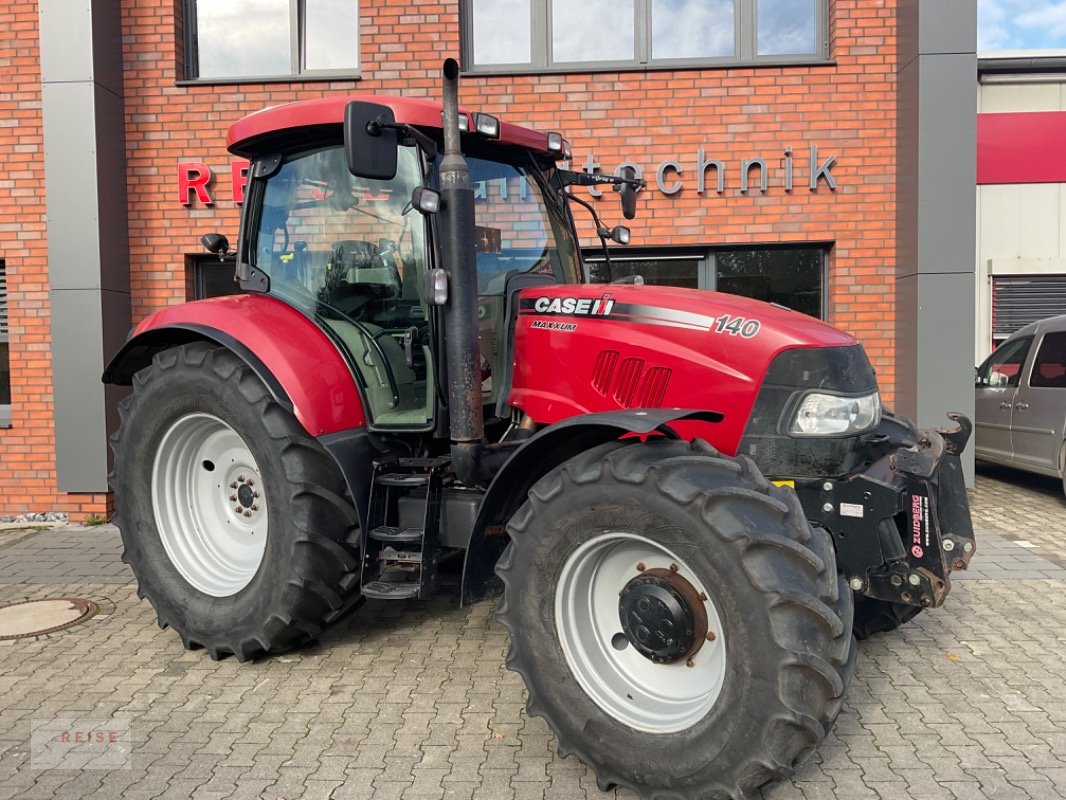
(996, 389)
(1040, 407)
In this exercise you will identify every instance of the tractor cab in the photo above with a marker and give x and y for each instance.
(353, 253)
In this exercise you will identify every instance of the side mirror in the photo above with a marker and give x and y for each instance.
(369, 145)
(215, 243)
(629, 194)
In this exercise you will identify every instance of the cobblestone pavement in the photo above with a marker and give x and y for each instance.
(411, 701)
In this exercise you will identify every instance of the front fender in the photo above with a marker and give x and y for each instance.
(297, 361)
(539, 455)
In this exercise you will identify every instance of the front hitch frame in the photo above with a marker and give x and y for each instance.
(902, 525)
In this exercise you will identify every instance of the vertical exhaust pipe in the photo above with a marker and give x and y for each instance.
(465, 409)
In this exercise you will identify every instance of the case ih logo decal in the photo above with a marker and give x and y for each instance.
(574, 307)
(606, 306)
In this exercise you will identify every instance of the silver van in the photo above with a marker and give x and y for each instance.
(1021, 401)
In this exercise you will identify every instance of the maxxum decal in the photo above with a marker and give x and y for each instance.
(606, 306)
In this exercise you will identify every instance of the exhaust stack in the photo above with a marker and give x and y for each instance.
(465, 409)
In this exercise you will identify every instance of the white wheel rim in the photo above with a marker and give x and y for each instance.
(210, 505)
(657, 698)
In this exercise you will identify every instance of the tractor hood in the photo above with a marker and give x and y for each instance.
(596, 347)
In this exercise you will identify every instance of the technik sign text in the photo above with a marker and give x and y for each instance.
(748, 175)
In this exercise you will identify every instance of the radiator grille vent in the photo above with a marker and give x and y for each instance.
(602, 373)
(653, 389)
(625, 389)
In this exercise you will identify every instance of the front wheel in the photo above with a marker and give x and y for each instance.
(235, 522)
(676, 620)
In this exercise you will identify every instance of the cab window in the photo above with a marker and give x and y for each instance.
(350, 252)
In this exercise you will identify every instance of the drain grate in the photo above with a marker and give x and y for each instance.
(39, 617)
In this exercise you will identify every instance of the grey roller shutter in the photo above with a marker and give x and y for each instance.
(1018, 300)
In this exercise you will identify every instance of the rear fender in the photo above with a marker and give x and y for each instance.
(295, 359)
(534, 459)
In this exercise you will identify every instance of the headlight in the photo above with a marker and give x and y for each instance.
(832, 415)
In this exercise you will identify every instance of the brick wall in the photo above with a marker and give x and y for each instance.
(846, 109)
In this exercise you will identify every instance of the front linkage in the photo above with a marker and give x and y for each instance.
(913, 496)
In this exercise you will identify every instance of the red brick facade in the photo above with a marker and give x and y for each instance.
(846, 109)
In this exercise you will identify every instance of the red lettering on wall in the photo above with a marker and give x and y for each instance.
(238, 170)
(194, 176)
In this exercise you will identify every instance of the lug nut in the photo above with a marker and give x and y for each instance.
(240, 479)
(711, 636)
(251, 481)
(233, 498)
(690, 663)
(255, 507)
(641, 567)
(233, 485)
(914, 579)
(247, 513)
(949, 544)
(255, 494)
(238, 510)
(703, 596)
(828, 507)
(827, 486)
(674, 567)
(855, 584)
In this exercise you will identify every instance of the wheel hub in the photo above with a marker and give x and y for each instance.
(663, 616)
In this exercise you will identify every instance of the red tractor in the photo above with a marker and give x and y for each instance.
(688, 500)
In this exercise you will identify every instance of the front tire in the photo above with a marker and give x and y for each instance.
(678, 526)
(235, 522)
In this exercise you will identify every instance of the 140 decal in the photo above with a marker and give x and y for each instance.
(737, 326)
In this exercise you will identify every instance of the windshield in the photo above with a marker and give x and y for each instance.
(519, 228)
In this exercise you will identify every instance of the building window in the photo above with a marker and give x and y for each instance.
(502, 35)
(264, 39)
(5, 358)
(210, 276)
(789, 276)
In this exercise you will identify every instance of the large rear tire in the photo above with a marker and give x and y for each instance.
(676, 526)
(236, 522)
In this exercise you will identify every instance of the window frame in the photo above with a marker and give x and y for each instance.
(297, 52)
(5, 336)
(746, 44)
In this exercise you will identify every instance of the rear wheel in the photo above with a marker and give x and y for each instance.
(676, 620)
(235, 522)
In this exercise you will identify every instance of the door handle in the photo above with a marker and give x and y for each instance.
(1021, 406)
(1005, 406)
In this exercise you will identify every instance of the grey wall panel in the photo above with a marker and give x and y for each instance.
(88, 238)
(947, 162)
(935, 211)
(107, 44)
(66, 40)
(70, 171)
(947, 26)
(111, 195)
(80, 417)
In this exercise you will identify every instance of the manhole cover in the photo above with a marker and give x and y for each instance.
(38, 617)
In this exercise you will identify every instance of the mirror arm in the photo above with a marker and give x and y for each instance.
(568, 177)
(427, 145)
(601, 230)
